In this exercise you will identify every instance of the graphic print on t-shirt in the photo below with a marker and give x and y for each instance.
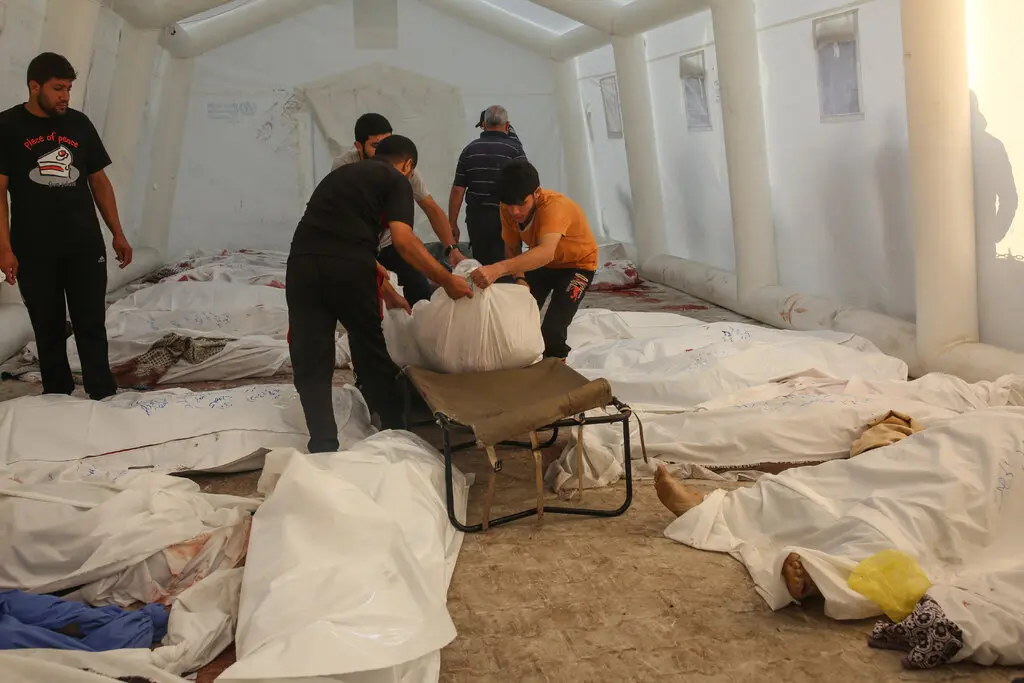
(55, 167)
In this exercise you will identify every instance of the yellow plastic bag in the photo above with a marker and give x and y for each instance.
(892, 580)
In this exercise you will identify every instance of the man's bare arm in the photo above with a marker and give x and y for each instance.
(8, 262)
(510, 253)
(412, 250)
(537, 257)
(438, 221)
(455, 206)
(103, 193)
(5, 216)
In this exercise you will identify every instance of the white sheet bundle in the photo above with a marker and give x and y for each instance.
(498, 329)
(349, 565)
(949, 496)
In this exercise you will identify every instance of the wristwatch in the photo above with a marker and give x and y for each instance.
(449, 249)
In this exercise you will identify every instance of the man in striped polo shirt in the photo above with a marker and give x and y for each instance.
(476, 181)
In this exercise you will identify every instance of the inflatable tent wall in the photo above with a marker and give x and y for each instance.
(809, 163)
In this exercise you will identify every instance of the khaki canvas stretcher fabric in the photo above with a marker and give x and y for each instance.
(506, 404)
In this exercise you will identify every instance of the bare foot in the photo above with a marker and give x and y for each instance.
(673, 494)
(798, 581)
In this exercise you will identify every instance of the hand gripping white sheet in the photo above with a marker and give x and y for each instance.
(498, 329)
(348, 567)
(950, 496)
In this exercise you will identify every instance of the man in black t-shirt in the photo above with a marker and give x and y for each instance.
(51, 162)
(333, 277)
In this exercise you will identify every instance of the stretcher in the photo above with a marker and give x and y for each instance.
(500, 406)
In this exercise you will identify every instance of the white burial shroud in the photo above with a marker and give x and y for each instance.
(349, 565)
(950, 496)
(171, 430)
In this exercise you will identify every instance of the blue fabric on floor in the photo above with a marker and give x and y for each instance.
(32, 621)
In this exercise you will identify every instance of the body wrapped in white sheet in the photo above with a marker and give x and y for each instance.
(171, 430)
(950, 496)
(666, 362)
(249, 319)
(722, 395)
(117, 535)
(498, 329)
(802, 421)
(349, 565)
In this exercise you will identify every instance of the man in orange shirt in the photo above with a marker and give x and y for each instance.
(562, 254)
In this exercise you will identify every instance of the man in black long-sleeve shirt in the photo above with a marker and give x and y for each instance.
(476, 181)
(333, 277)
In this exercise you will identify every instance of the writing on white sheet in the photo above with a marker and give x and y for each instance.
(799, 401)
(733, 334)
(207, 399)
(1008, 468)
(260, 393)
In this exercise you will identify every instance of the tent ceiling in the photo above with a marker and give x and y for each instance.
(521, 9)
(229, 6)
(541, 16)
(559, 29)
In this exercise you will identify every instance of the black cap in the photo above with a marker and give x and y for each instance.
(480, 123)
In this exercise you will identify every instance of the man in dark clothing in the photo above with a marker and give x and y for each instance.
(476, 179)
(333, 277)
(52, 162)
(370, 129)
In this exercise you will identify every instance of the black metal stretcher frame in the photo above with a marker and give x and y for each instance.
(448, 425)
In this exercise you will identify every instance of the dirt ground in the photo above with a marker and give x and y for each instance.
(612, 600)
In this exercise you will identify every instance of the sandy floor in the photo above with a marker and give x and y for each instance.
(610, 601)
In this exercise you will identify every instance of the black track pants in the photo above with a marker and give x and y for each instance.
(321, 292)
(80, 279)
(566, 287)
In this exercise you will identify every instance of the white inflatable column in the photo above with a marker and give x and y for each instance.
(746, 150)
(196, 38)
(166, 153)
(941, 173)
(641, 146)
(128, 93)
(579, 163)
(70, 30)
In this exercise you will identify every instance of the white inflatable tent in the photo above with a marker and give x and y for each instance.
(805, 162)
